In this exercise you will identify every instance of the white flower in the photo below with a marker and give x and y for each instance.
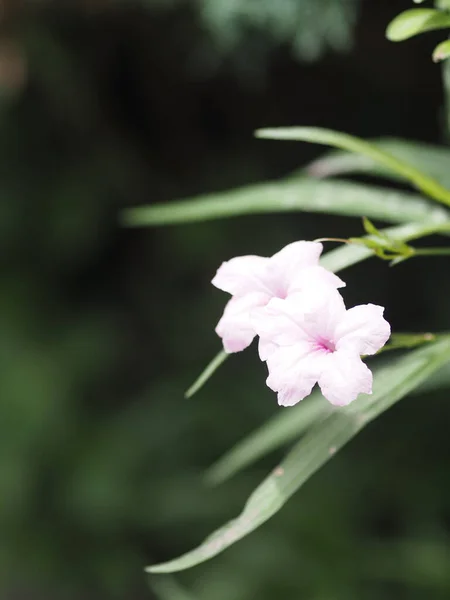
(312, 338)
(253, 281)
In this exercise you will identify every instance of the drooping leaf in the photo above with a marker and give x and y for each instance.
(438, 381)
(409, 340)
(322, 441)
(428, 158)
(290, 195)
(337, 139)
(275, 433)
(287, 426)
(415, 21)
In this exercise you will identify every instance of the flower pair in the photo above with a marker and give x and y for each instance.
(306, 334)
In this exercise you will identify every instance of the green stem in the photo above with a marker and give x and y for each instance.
(339, 240)
(431, 252)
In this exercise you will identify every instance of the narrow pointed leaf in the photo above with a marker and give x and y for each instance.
(291, 195)
(337, 139)
(369, 227)
(218, 360)
(284, 427)
(415, 21)
(321, 442)
(428, 158)
(287, 426)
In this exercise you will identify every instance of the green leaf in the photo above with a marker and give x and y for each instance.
(287, 426)
(438, 381)
(370, 228)
(430, 159)
(442, 51)
(410, 340)
(294, 194)
(322, 441)
(351, 143)
(414, 21)
(273, 434)
(218, 360)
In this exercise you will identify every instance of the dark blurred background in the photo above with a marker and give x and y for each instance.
(107, 104)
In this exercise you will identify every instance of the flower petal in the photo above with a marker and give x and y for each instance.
(289, 263)
(292, 396)
(266, 348)
(309, 316)
(293, 371)
(363, 329)
(235, 327)
(313, 277)
(324, 310)
(297, 255)
(276, 324)
(241, 275)
(344, 377)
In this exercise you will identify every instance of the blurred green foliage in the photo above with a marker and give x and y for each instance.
(102, 330)
(309, 27)
(247, 31)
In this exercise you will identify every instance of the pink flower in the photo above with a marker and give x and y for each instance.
(313, 339)
(254, 280)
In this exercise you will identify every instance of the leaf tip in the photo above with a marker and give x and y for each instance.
(213, 477)
(441, 52)
(415, 21)
(157, 569)
(190, 392)
(261, 133)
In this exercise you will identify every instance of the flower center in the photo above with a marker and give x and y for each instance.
(278, 290)
(325, 345)
(281, 294)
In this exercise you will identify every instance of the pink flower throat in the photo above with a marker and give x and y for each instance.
(323, 344)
